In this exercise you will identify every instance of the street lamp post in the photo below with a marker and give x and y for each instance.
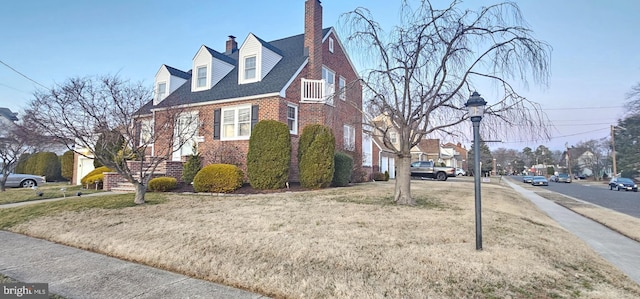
(475, 106)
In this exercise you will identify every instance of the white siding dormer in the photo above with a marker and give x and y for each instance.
(208, 70)
(166, 82)
(255, 60)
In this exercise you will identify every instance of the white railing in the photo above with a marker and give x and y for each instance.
(317, 91)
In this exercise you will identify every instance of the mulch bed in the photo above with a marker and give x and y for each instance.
(245, 189)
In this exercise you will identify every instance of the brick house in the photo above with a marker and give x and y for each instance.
(298, 80)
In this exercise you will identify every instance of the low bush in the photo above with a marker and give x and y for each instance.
(91, 177)
(386, 175)
(343, 164)
(162, 184)
(378, 176)
(218, 178)
(191, 168)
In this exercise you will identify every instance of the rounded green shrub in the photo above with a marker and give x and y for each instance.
(269, 156)
(191, 168)
(47, 165)
(218, 178)
(386, 175)
(343, 164)
(66, 164)
(315, 156)
(162, 184)
(99, 170)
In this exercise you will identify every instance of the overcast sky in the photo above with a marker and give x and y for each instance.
(595, 58)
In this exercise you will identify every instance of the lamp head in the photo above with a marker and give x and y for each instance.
(475, 105)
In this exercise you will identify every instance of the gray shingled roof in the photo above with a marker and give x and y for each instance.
(292, 51)
(178, 73)
(6, 112)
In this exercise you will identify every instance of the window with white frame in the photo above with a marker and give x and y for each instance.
(292, 118)
(341, 88)
(331, 45)
(250, 67)
(161, 92)
(367, 150)
(236, 122)
(393, 137)
(146, 132)
(349, 137)
(330, 78)
(185, 134)
(202, 76)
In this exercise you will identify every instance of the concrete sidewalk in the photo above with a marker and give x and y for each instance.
(75, 273)
(619, 250)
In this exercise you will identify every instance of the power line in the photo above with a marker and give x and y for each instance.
(23, 75)
(584, 108)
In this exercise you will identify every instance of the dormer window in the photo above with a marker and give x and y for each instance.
(250, 68)
(161, 92)
(202, 76)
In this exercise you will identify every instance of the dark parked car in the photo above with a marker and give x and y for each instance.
(539, 181)
(527, 179)
(626, 184)
(23, 180)
(563, 178)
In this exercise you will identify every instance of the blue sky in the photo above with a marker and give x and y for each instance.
(595, 58)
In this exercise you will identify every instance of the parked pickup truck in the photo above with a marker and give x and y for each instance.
(426, 169)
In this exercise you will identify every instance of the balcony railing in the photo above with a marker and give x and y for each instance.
(317, 91)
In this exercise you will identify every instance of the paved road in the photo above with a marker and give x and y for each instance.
(598, 193)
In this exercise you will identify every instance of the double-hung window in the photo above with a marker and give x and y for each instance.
(202, 77)
(292, 118)
(349, 137)
(162, 91)
(341, 88)
(146, 132)
(250, 68)
(330, 80)
(236, 122)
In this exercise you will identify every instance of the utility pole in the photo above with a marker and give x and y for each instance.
(613, 152)
(568, 160)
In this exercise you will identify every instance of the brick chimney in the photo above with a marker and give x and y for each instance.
(232, 45)
(313, 38)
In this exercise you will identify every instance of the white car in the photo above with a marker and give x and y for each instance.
(460, 171)
(24, 180)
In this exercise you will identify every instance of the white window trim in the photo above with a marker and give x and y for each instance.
(235, 123)
(342, 83)
(349, 138)
(331, 45)
(164, 94)
(206, 77)
(146, 126)
(294, 130)
(244, 69)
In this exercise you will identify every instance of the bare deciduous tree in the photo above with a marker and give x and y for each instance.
(14, 142)
(425, 69)
(108, 108)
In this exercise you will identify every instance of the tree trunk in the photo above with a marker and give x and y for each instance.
(141, 190)
(403, 181)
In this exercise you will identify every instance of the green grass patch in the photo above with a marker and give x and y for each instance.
(49, 190)
(14, 216)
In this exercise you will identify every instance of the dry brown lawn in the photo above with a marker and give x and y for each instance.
(352, 243)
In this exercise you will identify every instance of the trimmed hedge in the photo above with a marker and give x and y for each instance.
(378, 176)
(218, 178)
(343, 165)
(66, 165)
(269, 156)
(162, 184)
(315, 156)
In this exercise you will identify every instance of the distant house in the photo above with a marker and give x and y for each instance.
(581, 159)
(7, 118)
(298, 80)
(454, 155)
